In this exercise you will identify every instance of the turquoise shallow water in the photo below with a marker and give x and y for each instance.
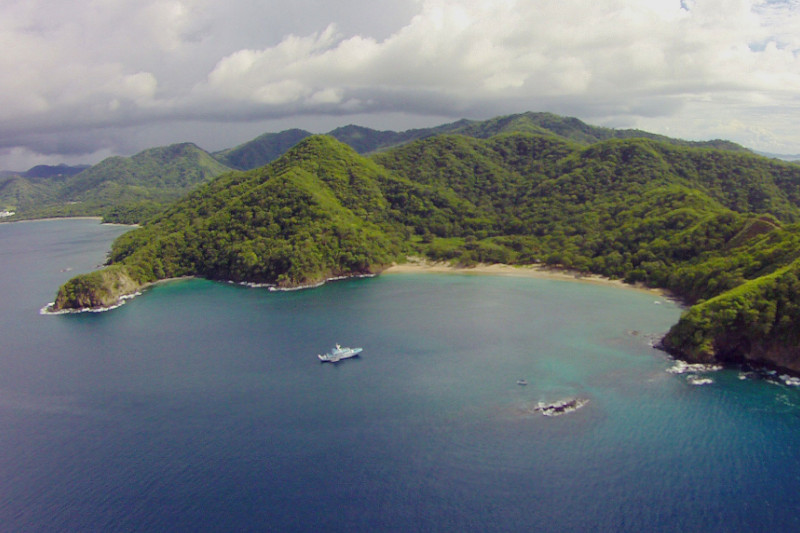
(201, 406)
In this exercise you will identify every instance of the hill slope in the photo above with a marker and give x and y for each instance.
(261, 150)
(51, 171)
(716, 227)
(132, 189)
(573, 129)
(315, 213)
(268, 147)
(122, 189)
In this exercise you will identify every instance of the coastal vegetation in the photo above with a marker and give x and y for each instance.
(119, 189)
(718, 227)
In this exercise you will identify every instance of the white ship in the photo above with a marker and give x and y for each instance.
(339, 353)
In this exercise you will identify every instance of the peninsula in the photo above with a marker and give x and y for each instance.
(717, 227)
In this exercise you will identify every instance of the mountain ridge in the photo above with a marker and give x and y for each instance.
(119, 198)
(366, 140)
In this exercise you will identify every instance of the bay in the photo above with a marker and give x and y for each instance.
(202, 406)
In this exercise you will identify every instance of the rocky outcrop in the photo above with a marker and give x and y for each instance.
(737, 349)
(757, 322)
(102, 288)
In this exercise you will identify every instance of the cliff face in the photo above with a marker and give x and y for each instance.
(757, 322)
(772, 354)
(739, 349)
(732, 348)
(103, 288)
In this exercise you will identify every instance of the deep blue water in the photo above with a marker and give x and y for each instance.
(201, 406)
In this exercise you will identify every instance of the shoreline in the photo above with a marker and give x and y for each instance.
(51, 219)
(56, 219)
(47, 310)
(414, 265)
(423, 266)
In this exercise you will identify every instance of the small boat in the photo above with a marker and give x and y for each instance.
(339, 353)
(522, 381)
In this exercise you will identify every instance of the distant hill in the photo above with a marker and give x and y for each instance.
(51, 171)
(720, 228)
(177, 167)
(122, 189)
(130, 189)
(784, 157)
(36, 186)
(261, 150)
(366, 140)
(573, 129)
(268, 147)
(18, 191)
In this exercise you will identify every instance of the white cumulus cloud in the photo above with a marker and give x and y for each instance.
(694, 68)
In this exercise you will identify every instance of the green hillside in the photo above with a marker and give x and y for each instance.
(269, 146)
(131, 189)
(573, 129)
(717, 227)
(315, 213)
(366, 140)
(261, 150)
(53, 171)
(121, 189)
(17, 192)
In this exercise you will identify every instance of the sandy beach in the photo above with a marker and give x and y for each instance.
(422, 266)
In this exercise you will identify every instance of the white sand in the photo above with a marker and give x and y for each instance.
(420, 266)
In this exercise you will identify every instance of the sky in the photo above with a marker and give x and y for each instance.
(88, 79)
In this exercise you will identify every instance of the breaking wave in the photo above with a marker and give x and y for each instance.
(682, 367)
(48, 309)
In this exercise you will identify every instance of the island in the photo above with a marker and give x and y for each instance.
(715, 226)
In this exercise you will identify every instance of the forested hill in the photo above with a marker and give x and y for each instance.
(131, 189)
(268, 147)
(121, 189)
(261, 150)
(717, 227)
(572, 129)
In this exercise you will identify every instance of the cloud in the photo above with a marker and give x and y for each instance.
(691, 66)
(627, 56)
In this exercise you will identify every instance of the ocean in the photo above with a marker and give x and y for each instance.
(202, 406)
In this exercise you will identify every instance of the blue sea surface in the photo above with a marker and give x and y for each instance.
(201, 406)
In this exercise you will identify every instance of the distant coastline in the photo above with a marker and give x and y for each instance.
(56, 219)
(417, 265)
(48, 219)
